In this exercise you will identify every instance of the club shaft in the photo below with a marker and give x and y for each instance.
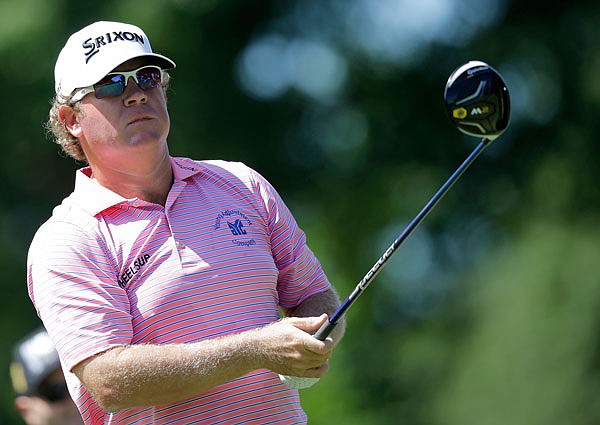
(329, 326)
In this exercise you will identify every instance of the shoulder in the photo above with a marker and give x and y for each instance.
(235, 178)
(71, 214)
(68, 225)
(222, 172)
(228, 169)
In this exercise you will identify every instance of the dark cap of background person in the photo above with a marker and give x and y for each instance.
(34, 361)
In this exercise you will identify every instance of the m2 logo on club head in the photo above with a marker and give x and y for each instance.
(478, 111)
(481, 110)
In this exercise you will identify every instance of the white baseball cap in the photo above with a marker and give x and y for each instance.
(96, 50)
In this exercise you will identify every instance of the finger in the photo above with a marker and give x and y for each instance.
(321, 348)
(308, 324)
(316, 372)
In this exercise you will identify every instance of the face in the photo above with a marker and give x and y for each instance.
(37, 411)
(115, 131)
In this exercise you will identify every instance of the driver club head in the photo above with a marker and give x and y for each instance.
(477, 100)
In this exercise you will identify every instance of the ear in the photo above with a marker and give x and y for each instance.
(69, 117)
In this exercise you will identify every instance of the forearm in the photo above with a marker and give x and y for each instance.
(146, 375)
(149, 375)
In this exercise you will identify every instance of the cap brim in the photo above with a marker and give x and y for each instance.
(160, 60)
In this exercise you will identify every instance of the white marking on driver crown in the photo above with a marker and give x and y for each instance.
(474, 95)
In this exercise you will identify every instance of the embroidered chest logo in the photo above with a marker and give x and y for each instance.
(132, 270)
(237, 222)
(237, 227)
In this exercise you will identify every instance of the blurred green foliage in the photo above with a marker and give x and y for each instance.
(490, 316)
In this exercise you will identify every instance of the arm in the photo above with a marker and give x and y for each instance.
(145, 375)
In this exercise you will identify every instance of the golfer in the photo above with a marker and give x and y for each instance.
(161, 280)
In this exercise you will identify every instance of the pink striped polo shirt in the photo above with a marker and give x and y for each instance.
(220, 257)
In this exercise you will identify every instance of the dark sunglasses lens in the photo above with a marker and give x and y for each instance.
(111, 85)
(54, 391)
(148, 77)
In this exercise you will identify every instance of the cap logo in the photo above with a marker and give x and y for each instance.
(92, 45)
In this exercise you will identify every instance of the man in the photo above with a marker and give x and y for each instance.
(41, 392)
(161, 279)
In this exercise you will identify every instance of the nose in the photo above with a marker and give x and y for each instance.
(133, 94)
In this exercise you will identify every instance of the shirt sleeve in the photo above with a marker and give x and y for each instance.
(73, 286)
(300, 272)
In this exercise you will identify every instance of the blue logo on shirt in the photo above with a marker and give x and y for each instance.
(237, 223)
(237, 227)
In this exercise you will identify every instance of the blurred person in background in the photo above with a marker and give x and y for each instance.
(42, 397)
(162, 280)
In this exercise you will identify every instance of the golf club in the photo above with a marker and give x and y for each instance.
(478, 104)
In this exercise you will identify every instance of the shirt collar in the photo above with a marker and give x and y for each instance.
(91, 196)
(94, 198)
(184, 168)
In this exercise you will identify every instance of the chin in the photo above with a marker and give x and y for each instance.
(147, 139)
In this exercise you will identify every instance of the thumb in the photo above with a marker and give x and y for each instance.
(309, 324)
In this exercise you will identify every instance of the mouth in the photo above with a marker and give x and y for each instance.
(139, 119)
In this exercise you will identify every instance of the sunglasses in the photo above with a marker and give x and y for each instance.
(146, 77)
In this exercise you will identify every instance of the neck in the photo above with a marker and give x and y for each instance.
(149, 182)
